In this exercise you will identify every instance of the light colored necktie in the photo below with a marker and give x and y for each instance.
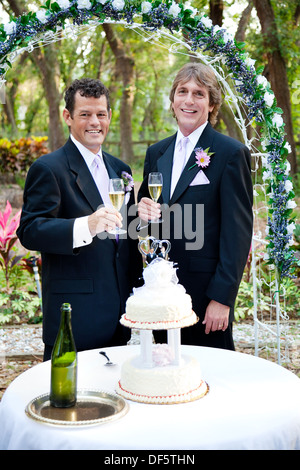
(179, 163)
(101, 179)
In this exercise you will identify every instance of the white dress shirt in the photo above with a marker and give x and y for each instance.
(177, 159)
(81, 232)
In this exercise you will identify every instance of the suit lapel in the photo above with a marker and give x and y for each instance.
(164, 166)
(112, 168)
(83, 177)
(188, 174)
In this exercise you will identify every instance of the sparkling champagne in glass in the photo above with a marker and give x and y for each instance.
(116, 194)
(155, 184)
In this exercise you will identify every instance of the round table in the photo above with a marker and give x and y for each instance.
(251, 404)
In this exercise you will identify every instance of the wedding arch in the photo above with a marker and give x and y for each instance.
(246, 91)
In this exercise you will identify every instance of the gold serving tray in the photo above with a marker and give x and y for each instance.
(92, 407)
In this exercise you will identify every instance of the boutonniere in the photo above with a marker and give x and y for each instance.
(128, 184)
(202, 157)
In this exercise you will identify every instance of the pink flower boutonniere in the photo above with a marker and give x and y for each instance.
(128, 184)
(202, 157)
(128, 181)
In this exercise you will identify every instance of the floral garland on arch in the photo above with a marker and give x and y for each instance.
(19, 32)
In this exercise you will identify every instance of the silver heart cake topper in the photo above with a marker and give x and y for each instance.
(147, 244)
(166, 245)
(150, 243)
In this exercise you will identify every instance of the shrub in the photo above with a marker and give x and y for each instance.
(8, 238)
(18, 301)
(17, 156)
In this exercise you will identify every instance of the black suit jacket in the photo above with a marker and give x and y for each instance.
(95, 279)
(215, 270)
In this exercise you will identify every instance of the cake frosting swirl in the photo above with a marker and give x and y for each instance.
(161, 303)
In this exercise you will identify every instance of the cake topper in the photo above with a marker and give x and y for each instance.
(148, 247)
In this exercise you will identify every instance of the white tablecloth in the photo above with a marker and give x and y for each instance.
(252, 404)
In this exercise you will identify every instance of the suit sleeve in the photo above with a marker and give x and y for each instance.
(41, 226)
(236, 197)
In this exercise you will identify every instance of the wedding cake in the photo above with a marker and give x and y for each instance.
(160, 374)
(161, 303)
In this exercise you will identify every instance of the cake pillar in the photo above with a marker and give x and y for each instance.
(174, 341)
(146, 347)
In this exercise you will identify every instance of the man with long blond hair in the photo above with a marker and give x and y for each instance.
(203, 168)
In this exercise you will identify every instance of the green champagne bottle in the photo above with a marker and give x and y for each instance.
(64, 363)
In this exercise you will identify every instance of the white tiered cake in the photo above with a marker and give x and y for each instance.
(160, 374)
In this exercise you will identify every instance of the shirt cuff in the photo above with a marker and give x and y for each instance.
(81, 232)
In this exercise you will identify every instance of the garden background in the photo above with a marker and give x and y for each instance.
(139, 76)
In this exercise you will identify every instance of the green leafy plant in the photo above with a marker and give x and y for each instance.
(19, 305)
(244, 303)
(289, 293)
(297, 237)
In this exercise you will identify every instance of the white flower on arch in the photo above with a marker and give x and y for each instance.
(42, 16)
(146, 7)
(174, 10)
(269, 98)
(84, 4)
(207, 22)
(63, 4)
(288, 186)
(118, 4)
(277, 120)
(10, 27)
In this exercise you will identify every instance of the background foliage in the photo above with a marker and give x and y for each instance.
(29, 104)
(17, 156)
(36, 83)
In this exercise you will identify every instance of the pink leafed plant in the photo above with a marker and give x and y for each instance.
(8, 238)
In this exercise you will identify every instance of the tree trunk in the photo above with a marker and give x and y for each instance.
(47, 65)
(101, 60)
(243, 22)
(240, 37)
(216, 11)
(10, 97)
(277, 71)
(125, 70)
(8, 110)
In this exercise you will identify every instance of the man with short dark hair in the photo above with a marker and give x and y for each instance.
(66, 205)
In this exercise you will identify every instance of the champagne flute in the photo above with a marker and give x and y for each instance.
(116, 194)
(155, 184)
